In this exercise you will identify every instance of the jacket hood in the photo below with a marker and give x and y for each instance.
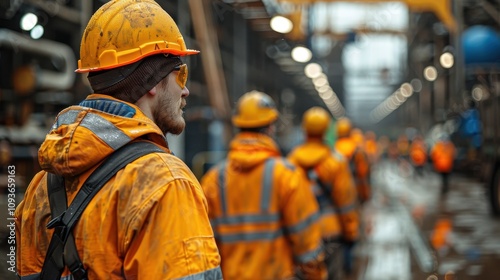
(84, 135)
(248, 150)
(310, 154)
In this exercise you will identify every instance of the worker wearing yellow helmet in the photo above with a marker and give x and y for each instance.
(350, 143)
(150, 220)
(333, 186)
(264, 216)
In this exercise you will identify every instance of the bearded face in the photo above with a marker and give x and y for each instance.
(168, 111)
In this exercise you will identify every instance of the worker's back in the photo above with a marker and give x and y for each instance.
(264, 215)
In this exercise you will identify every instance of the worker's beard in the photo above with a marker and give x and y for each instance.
(167, 114)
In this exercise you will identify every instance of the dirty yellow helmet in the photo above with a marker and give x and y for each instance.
(124, 31)
(255, 109)
(343, 127)
(315, 121)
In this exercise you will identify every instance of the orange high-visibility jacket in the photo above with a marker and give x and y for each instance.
(372, 150)
(149, 221)
(442, 155)
(359, 164)
(263, 213)
(339, 213)
(418, 153)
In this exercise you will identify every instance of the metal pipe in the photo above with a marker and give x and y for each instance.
(46, 79)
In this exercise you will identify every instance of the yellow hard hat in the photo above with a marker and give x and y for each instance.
(343, 127)
(122, 32)
(315, 121)
(358, 136)
(255, 109)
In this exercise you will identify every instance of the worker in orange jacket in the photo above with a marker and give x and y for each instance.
(264, 215)
(371, 147)
(443, 156)
(333, 186)
(150, 220)
(350, 145)
(418, 154)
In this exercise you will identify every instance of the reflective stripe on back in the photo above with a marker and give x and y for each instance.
(264, 217)
(267, 184)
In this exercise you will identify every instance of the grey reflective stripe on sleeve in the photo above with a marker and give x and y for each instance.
(246, 219)
(328, 209)
(66, 118)
(267, 184)
(347, 208)
(309, 256)
(250, 236)
(222, 187)
(288, 164)
(303, 224)
(212, 274)
(105, 130)
(37, 277)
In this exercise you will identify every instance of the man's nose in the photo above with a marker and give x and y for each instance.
(185, 92)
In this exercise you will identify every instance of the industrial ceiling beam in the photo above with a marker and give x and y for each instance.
(204, 29)
(441, 8)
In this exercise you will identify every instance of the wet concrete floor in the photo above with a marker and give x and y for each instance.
(412, 231)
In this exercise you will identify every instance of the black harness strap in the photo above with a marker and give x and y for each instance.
(62, 248)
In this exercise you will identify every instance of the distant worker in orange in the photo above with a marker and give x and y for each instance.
(371, 147)
(350, 145)
(263, 213)
(333, 186)
(443, 155)
(418, 154)
(403, 144)
(383, 143)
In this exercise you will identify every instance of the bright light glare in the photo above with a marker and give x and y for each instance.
(430, 73)
(480, 93)
(324, 88)
(447, 60)
(406, 90)
(37, 32)
(326, 95)
(281, 24)
(301, 54)
(28, 21)
(320, 81)
(313, 70)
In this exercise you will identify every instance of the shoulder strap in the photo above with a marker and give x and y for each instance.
(60, 251)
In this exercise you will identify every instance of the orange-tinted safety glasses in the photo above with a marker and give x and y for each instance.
(182, 75)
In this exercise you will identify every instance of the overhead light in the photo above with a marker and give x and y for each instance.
(37, 32)
(406, 89)
(479, 93)
(313, 70)
(447, 60)
(301, 54)
(281, 24)
(326, 94)
(28, 21)
(430, 73)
